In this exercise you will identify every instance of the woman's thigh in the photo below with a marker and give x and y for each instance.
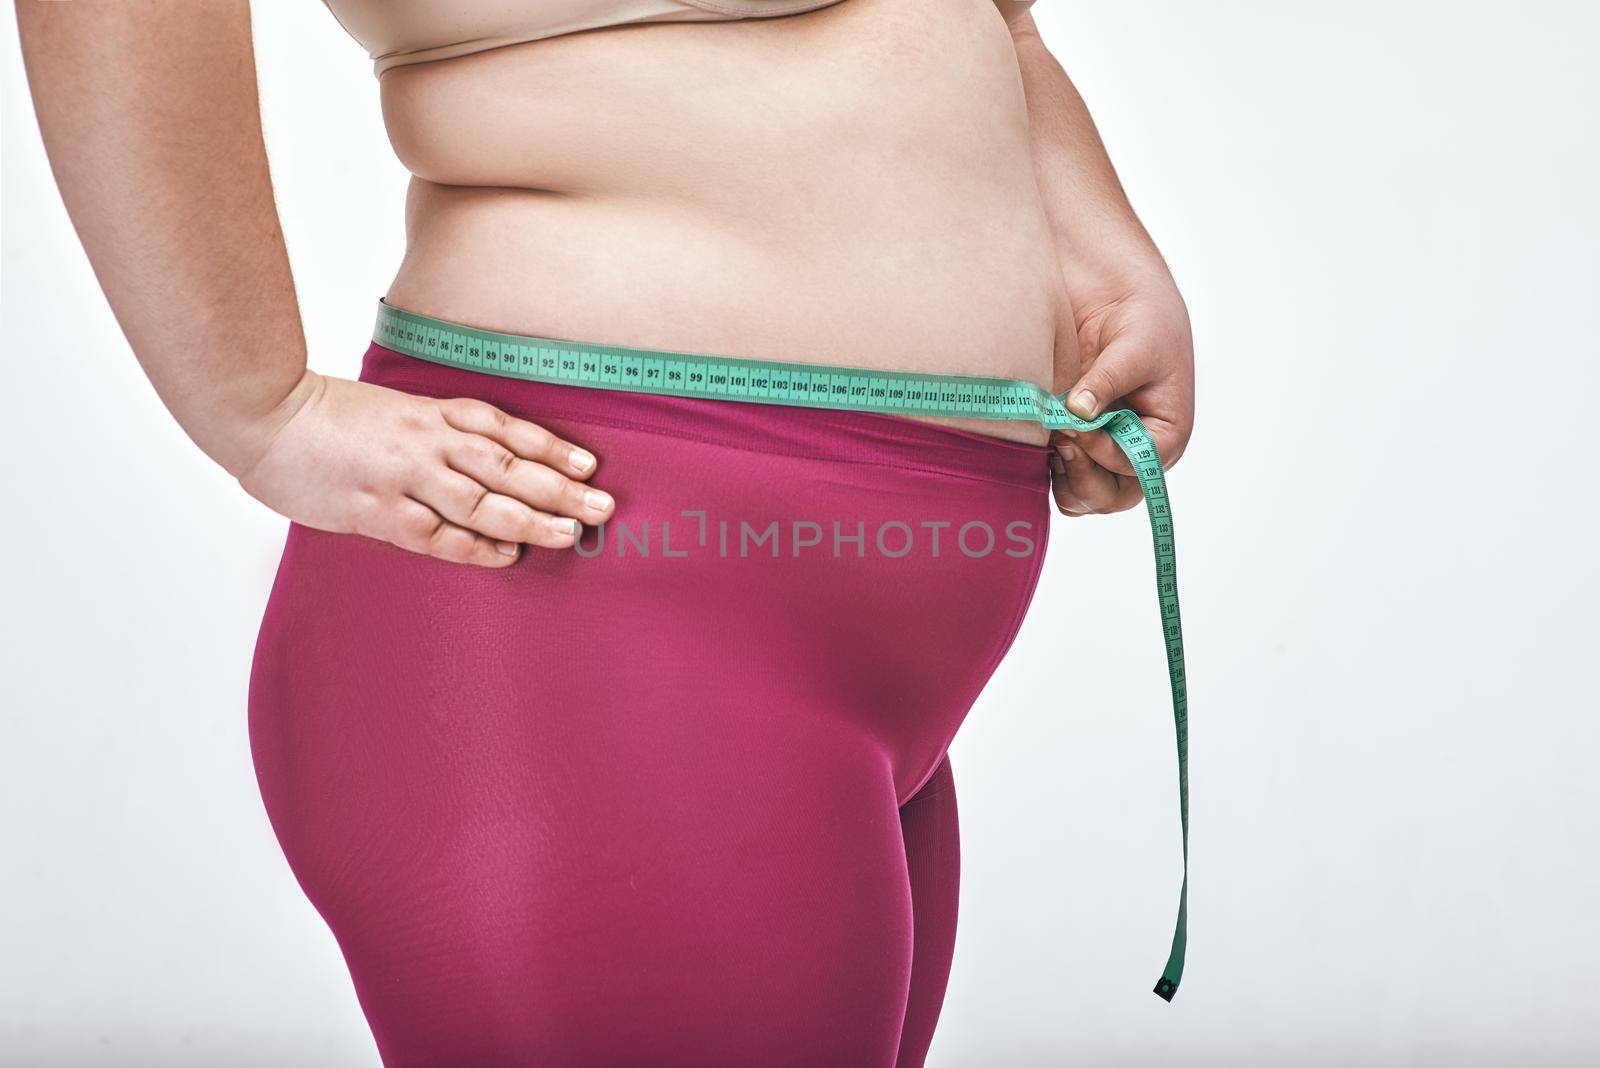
(522, 869)
(930, 825)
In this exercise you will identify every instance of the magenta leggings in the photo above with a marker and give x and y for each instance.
(679, 796)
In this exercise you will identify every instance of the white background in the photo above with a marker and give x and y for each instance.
(1384, 219)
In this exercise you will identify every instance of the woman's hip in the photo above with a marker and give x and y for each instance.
(763, 563)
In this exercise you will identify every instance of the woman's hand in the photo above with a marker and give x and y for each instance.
(1137, 352)
(456, 479)
(1132, 348)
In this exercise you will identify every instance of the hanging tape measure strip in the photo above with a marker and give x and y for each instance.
(683, 374)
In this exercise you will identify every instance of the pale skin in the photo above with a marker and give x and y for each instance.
(1134, 339)
(150, 117)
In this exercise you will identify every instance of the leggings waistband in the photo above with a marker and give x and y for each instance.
(815, 433)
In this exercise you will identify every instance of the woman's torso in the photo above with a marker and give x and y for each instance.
(848, 186)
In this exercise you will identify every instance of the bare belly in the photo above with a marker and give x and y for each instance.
(850, 186)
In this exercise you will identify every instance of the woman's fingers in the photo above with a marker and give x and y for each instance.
(507, 481)
(474, 506)
(1066, 501)
(494, 466)
(1118, 370)
(366, 459)
(420, 529)
(1134, 372)
(527, 440)
(1103, 450)
(1082, 486)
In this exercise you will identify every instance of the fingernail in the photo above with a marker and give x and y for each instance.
(1068, 453)
(505, 548)
(1083, 403)
(568, 526)
(1070, 433)
(597, 500)
(580, 461)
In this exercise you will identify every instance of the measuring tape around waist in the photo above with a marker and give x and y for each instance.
(681, 374)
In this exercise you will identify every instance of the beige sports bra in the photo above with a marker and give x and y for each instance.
(399, 32)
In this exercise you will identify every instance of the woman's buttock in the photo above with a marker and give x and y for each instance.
(767, 570)
(637, 802)
(851, 186)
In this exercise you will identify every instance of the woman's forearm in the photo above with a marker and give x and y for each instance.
(150, 118)
(1093, 223)
(1134, 346)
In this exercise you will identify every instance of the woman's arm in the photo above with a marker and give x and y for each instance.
(1133, 328)
(150, 118)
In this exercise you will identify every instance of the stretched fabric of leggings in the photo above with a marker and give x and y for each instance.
(678, 796)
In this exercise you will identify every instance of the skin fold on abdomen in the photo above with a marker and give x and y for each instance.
(850, 186)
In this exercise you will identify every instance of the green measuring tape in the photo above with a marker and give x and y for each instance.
(683, 374)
